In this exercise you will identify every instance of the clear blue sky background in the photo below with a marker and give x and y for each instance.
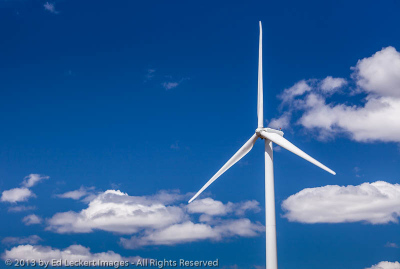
(76, 104)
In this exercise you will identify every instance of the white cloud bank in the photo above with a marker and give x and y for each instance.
(385, 265)
(158, 219)
(71, 253)
(375, 118)
(190, 232)
(374, 203)
(115, 211)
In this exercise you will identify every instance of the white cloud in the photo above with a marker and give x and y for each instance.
(154, 218)
(167, 197)
(50, 7)
(118, 212)
(20, 208)
(190, 232)
(170, 85)
(33, 239)
(22, 194)
(374, 117)
(16, 195)
(32, 179)
(174, 234)
(375, 203)
(71, 253)
(377, 120)
(240, 227)
(78, 194)
(380, 73)
(297, 89)
(242, 207)
(385, 265)
(32, 219)
(209, 206)
(212, 207)
(330, 84)
(281, 122)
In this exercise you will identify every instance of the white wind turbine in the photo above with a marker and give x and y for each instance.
(270, 136)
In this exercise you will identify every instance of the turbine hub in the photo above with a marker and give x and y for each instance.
(268, 130)
(258, 132)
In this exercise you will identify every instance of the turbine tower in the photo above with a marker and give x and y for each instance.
(270, 136)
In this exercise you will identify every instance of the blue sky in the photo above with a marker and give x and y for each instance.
(154, 97)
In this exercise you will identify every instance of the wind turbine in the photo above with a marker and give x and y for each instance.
(270, 136)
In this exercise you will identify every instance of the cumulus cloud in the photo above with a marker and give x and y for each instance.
(281, 122)
(71, 253)
(377, 120)
(79, 193)
(115, 211)
(33, 239)
(177, 233)
(373, 117)
(209, 206)
(190, 232)
(50, 7)
(297, 89)
(16, 195)
(375, 203)
(32, 219)
(33, 179)
(24, 193)
(380, 73)
(242, 207)
(385, 265)
(154, 218)
(330, 84)
(212, 207)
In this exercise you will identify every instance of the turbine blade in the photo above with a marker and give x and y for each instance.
(279, 140)
(235, 158)
(260, 112)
